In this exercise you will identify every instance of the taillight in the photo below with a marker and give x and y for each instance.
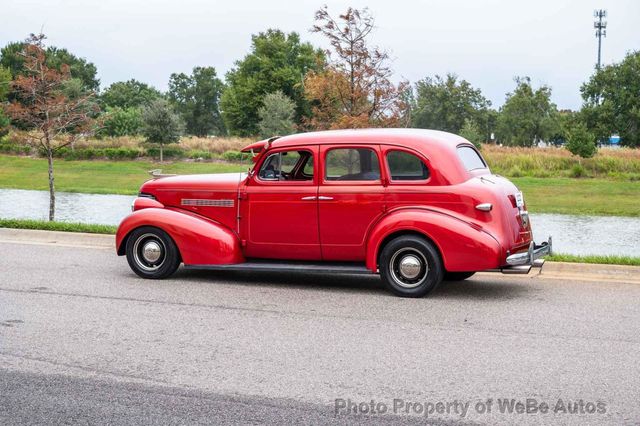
(512, 198)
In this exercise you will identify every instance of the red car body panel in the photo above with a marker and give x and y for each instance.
(227, 218)
(200, 241)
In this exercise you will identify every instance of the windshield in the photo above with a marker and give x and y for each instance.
(471, 158)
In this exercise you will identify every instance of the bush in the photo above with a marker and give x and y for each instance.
(122, 122)
(577, 171)
(205, 155)
(168, 152)
(235, 156)
(515, 172)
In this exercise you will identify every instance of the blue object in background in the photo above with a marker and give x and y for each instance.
(614, 140)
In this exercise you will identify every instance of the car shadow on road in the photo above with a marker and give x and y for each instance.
(473, 289)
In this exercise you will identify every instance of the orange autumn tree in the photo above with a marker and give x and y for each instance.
(355, 89)
(47, 103)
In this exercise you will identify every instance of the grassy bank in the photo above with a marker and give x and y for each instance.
(57, 226)
(602, 260)
(587, 196)
(96, 176)
(603, 197)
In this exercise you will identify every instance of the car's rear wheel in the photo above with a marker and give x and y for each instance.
(410, 266)
(151, 253)
(457, 276)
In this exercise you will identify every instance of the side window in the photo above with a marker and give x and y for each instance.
(406, 166)
(288, 166)
(352, 164)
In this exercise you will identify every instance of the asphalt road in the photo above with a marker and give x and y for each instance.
(83, 340)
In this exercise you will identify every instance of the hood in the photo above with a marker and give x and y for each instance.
(209, 182)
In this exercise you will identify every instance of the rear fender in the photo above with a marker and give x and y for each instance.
(463, 246)
(201, 241)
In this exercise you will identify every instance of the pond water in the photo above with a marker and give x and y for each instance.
(578, 235)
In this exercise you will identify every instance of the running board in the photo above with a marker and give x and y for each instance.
(276, 266)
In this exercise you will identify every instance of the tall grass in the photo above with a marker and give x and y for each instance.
(211, 145)
(622, 163)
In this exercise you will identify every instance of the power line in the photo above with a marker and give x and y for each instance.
(601, 30)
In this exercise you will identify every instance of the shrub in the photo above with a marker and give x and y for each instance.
(515, 172)
(122, 122)
(577, 171)
(235, 156)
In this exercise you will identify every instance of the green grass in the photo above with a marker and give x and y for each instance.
(95, 177)
(603, 260)
(563, 195)
(580, 196)
(57, 226)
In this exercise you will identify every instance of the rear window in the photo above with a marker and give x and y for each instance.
(470, 158)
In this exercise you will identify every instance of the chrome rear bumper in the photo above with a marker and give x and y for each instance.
(521, 263)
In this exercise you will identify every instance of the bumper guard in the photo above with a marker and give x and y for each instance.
(521, 263)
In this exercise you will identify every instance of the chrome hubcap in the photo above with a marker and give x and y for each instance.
(149, 252)
(409, 267)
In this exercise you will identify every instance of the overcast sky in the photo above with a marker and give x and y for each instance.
(486, 42)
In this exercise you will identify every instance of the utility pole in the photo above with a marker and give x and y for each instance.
(601, 30)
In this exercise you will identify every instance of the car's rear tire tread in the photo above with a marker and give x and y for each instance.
(425, 250)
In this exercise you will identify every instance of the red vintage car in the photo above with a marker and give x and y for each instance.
(416, 206)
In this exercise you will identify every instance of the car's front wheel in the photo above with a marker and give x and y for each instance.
(410, 266)
(151, 253)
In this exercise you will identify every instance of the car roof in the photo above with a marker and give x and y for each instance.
(418, 139)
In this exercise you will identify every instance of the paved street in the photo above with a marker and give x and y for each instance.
(82, 339)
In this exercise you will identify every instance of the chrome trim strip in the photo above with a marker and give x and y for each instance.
(203, 202)
(485, 207)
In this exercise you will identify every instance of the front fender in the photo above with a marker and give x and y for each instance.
(463, 246)
(201, 241)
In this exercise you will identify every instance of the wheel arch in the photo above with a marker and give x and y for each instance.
(462, 246)
(200, 241)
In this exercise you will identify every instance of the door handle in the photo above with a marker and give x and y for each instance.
(322, 197)
(311, 198)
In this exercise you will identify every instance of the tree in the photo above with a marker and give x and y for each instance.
(528, 116)
(129, 94)
(11, 57)
(447, 103)
(471, 132)
(41, 103)
(196, 98)
(612, 101)
(277, 61)
(122, 122)
(355, 90)
(276, 115)
(5, 84)
(580, 141)
(162, 125)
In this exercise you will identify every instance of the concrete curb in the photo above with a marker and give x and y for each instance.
(65, 239)
(591, 272)
(550, 270)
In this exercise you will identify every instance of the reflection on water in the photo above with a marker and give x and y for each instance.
(571, 234)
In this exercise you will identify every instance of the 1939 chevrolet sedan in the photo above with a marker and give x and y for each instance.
(416, 206)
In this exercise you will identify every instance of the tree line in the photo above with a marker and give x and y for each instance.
(285, 85)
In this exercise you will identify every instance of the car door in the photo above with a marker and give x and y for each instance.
(350, 199)
(280, 208)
